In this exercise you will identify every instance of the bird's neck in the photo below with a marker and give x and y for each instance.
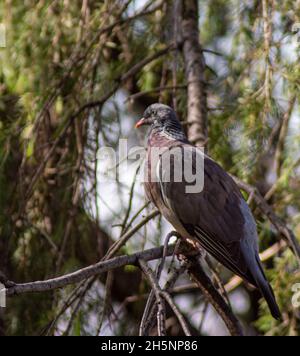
(171, 131)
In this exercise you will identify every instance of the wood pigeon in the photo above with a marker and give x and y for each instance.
(216, 216)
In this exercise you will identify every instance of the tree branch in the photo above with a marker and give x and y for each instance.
(212, 295)
(83, 274)
(159, 293)
(161, 313)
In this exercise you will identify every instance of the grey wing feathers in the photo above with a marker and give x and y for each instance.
(212, 216)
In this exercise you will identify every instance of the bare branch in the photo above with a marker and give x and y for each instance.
(161, 313)
(160, 293)
(211, 294)
(177, 312)
(83, 274)
(150, 308)
(217, 280)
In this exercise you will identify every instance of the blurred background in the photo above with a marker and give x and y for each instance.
(74, 77)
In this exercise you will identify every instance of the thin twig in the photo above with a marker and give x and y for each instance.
(150, 308)
(161, 313)
(106, 301)
(147, 324)
(161, 293)
(282, 137)
(128, 211)
(177, 312)
(123, 240)
(218, 280)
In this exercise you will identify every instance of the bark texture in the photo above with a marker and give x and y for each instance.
(194, 69)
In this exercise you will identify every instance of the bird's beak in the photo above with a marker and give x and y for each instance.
(140, 123)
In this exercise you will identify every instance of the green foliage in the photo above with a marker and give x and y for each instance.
(284, 275)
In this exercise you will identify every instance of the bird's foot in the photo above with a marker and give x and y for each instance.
(189, 247)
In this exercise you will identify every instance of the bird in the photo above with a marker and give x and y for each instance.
(216, 217)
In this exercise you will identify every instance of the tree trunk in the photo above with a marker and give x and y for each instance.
(194, 69)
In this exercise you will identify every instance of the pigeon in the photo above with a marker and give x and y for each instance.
(214, 215)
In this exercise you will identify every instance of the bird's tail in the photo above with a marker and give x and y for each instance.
(263, 285)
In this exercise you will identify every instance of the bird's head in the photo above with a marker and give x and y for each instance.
(159, 116)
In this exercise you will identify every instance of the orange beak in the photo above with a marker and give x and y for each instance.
(140, 123)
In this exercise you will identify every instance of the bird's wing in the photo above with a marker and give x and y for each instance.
(215, 216)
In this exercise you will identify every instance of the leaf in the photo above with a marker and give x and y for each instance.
(30, 149)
